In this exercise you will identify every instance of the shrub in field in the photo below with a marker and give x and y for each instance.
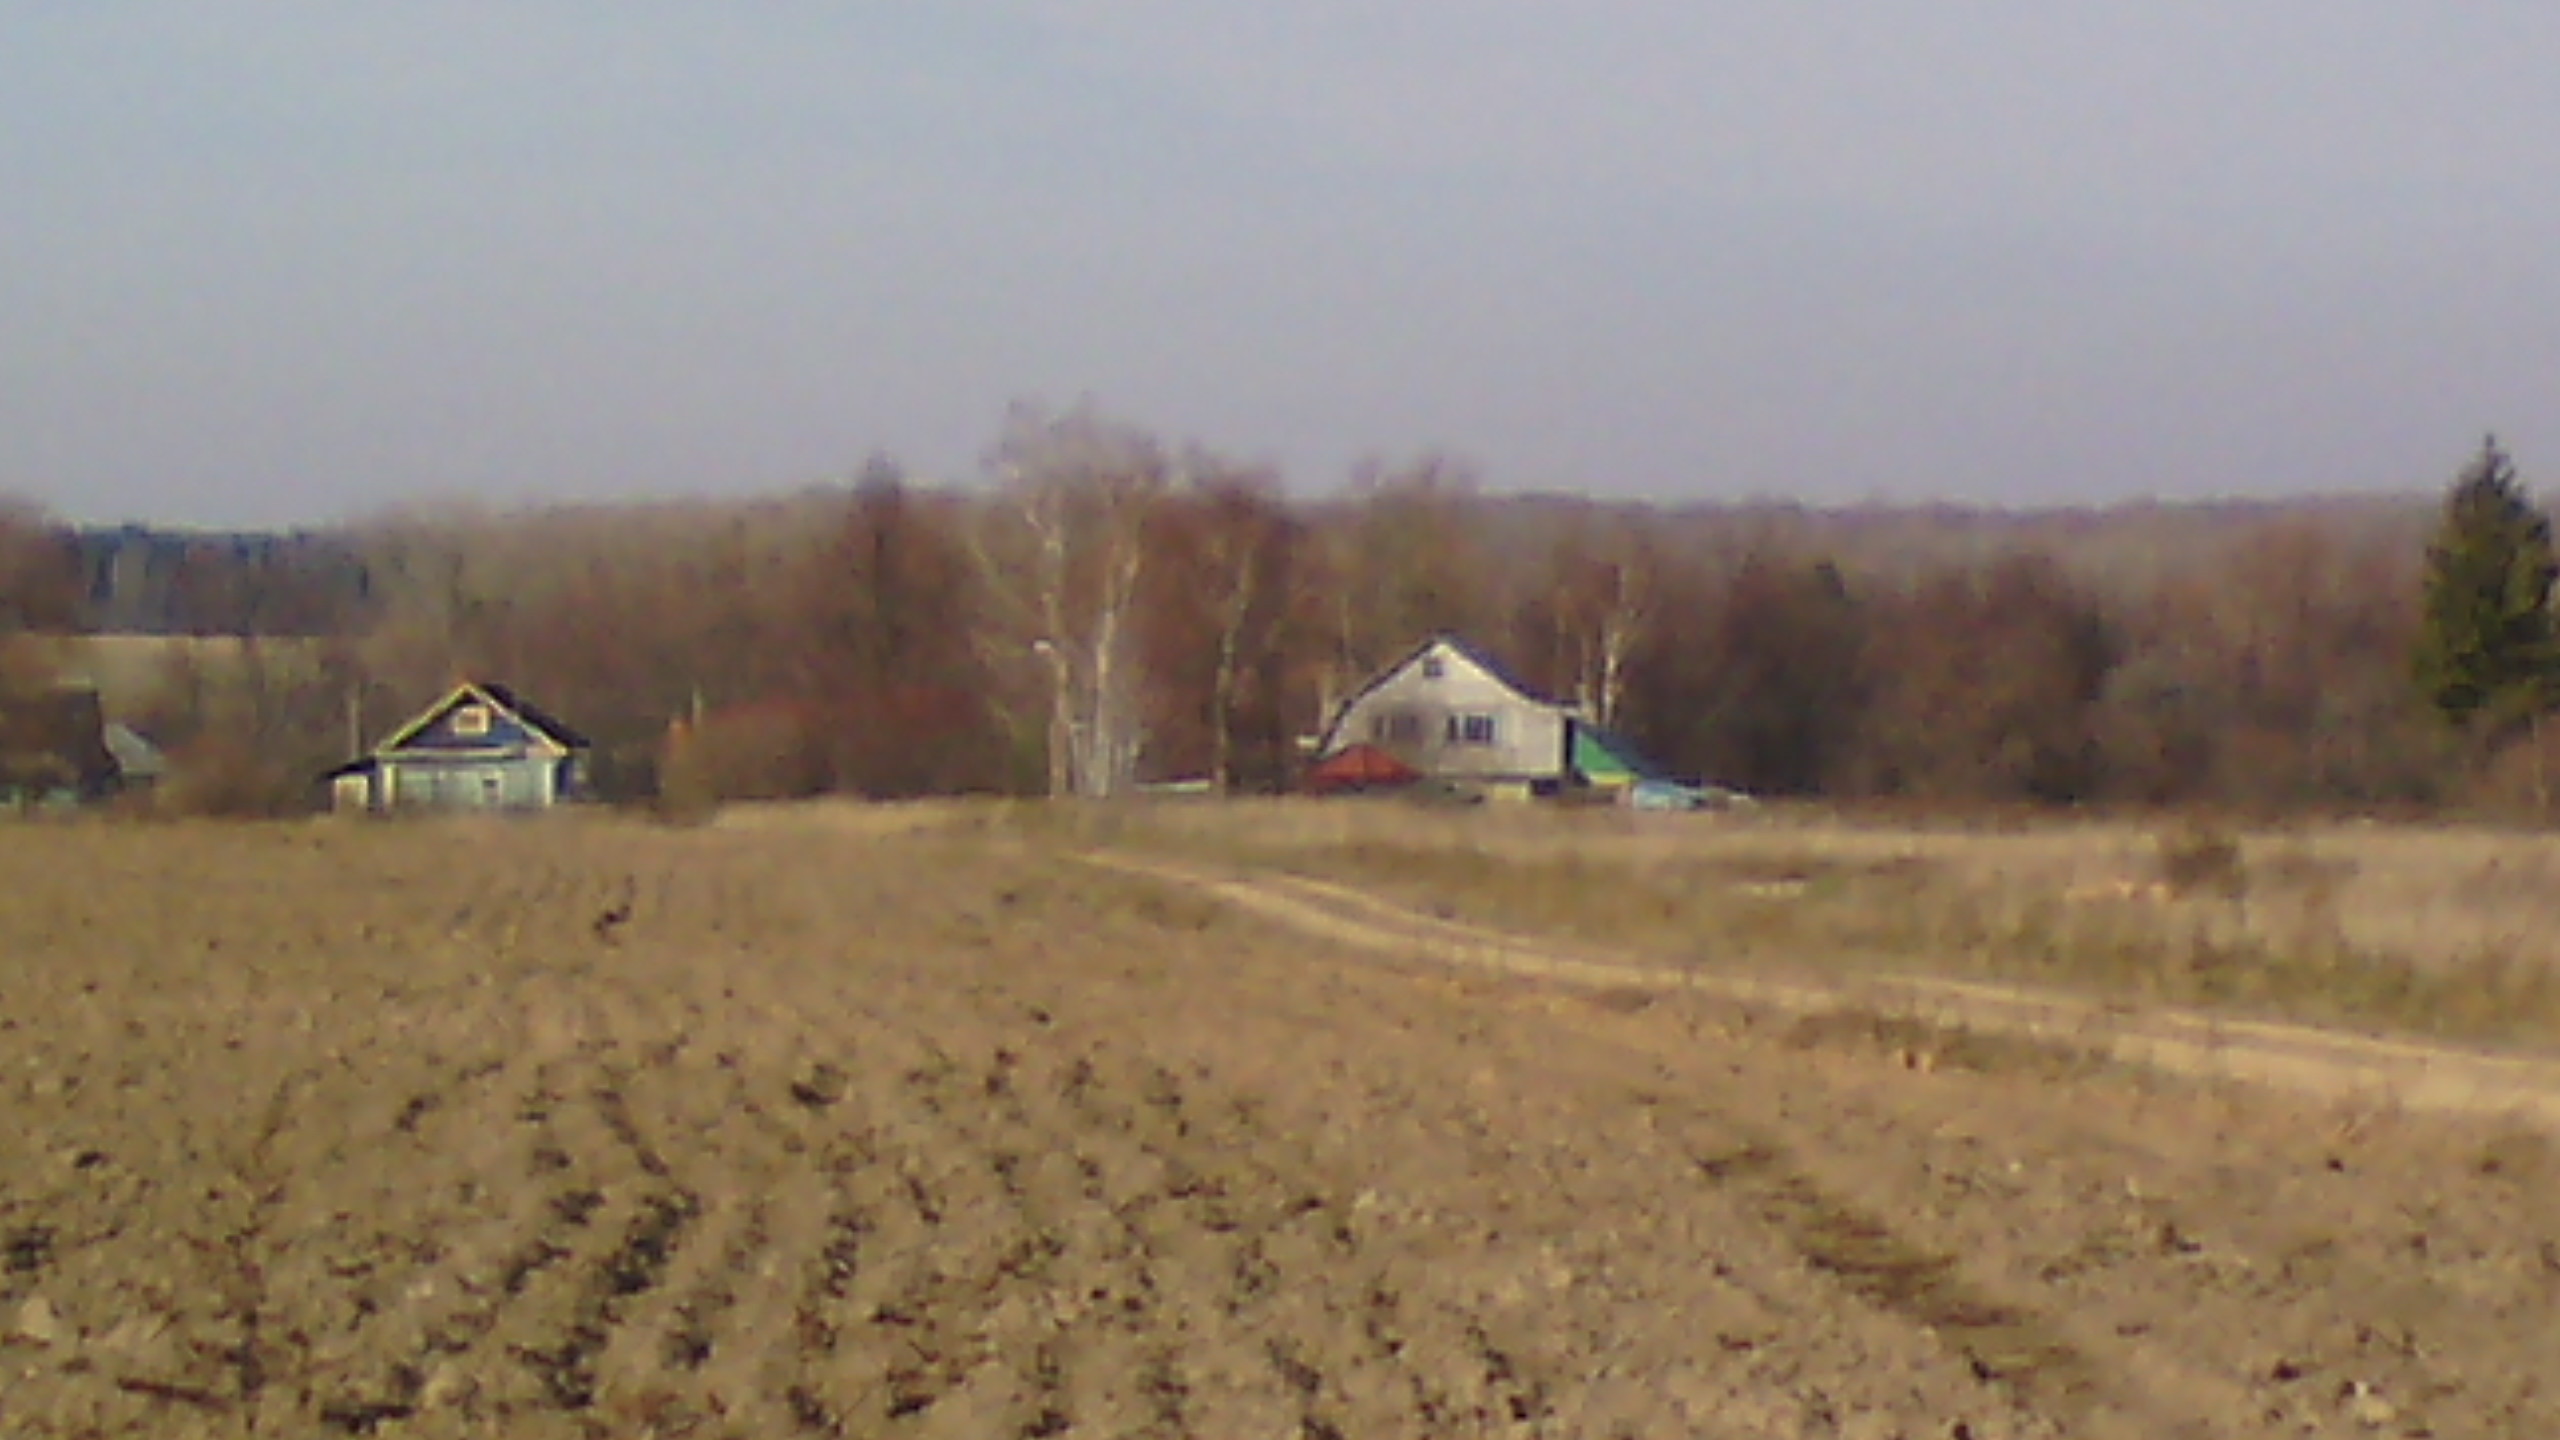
(2202, 860)
(225, 779)
(763, 752)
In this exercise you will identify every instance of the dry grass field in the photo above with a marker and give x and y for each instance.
(2445, 931)
(906, 1122)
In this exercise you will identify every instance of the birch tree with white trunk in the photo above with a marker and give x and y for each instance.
(1062, 547)
(1602, 582)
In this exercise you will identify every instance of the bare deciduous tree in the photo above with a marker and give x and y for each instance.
(39, 592)
(1402, 562)
(874, 629)
(1062, 550)
(1753, 677)
(1594, 600)
(1215, 614)
(1989, 685)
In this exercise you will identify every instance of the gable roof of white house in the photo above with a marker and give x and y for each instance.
(1446, 646)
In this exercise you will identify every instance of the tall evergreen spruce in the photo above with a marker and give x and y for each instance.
(2488, 655)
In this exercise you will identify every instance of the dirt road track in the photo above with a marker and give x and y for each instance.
(380, 1132)
(2323, 1064)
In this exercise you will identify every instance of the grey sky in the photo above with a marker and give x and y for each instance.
(280, 260)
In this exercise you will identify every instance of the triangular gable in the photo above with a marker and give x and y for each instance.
(136, 757)
(1603, 758)
(1510, 679)
(1446, 644)
(500, 700)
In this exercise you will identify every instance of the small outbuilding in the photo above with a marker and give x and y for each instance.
(481, 747)
(53, 749)
(1605, 760)
(1357, 769)
(140, 765)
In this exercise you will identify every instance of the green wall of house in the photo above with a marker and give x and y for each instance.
(491, 784)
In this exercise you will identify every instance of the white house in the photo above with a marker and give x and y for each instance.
(1453, 713)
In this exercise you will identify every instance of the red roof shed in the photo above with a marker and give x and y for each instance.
(1358, 767)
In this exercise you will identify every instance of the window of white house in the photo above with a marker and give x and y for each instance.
(1470, 729)
(1433, 667)
(471, 720)
(1396, 727)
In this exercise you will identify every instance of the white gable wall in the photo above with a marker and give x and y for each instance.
(1437, 723)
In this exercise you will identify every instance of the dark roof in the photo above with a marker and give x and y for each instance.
(542, 719)
(54, 736)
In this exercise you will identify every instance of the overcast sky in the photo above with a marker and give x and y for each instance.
(291, 260)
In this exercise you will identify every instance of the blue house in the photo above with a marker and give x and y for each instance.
(481, 747)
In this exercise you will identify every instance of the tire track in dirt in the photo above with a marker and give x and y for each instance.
(2321, 1063)
(2046, 1365)
(2041, 1362)
(2336, 1298)
(2014, 1352)
(2342, 1294)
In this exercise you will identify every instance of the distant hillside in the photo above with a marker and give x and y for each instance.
(2129, 544)
(139, 580)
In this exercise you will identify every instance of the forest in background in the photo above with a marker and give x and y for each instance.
(1105, 609)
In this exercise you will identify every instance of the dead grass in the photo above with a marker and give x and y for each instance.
(2446, 931)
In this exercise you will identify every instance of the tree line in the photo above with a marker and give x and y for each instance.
(1107, 609)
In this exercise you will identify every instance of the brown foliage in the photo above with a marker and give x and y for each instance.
(2280, 681)
(1124, 607)
(769, 751)
(39, 573)
(1987, 684)
(1218, 624)
(1404, 559)
(1756, 678)
(876, 626)
(50, 740)
(225, 776)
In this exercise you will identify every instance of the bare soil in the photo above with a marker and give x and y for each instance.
(595, 1129)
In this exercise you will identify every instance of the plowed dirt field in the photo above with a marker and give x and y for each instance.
(595, 1129)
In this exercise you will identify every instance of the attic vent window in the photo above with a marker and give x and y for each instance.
(1433, 667)
(471, 720)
